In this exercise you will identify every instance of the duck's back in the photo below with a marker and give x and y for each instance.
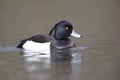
(36, 39)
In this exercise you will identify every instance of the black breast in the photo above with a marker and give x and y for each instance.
(62, 44)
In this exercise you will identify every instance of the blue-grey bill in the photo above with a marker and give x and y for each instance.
(74, 34)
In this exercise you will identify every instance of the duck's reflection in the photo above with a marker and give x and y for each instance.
(62, 54)
(61, 64)
(61, 70)
(58, 66)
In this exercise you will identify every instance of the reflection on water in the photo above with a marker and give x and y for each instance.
(86, 60)
(61, 70)
(64, 54)
(34, 67)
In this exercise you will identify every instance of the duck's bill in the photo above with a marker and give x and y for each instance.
(74, 34)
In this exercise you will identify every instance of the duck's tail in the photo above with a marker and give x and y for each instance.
(20, 45)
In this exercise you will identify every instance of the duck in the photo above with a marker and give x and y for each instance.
(57, 39)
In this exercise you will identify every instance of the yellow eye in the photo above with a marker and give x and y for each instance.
(66, 28)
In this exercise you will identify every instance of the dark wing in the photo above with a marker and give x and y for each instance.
(36, 38)
(39, 38)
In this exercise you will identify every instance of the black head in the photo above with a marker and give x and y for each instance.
(63, 29)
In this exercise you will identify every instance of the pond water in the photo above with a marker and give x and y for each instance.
(96, 56)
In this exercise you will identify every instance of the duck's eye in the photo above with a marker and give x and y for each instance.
(66, 27)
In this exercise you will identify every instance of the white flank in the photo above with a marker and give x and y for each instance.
(33, 48)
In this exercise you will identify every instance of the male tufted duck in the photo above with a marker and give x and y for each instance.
(56, 39)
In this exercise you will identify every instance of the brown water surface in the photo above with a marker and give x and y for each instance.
(96, 57)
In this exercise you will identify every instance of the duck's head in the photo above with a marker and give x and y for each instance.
(63, 30)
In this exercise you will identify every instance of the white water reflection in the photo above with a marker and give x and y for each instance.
(40, 57)
(35, 56)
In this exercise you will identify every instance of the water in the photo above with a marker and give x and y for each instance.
(96, 56)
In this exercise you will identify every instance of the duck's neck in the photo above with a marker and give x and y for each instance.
(60, 38)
